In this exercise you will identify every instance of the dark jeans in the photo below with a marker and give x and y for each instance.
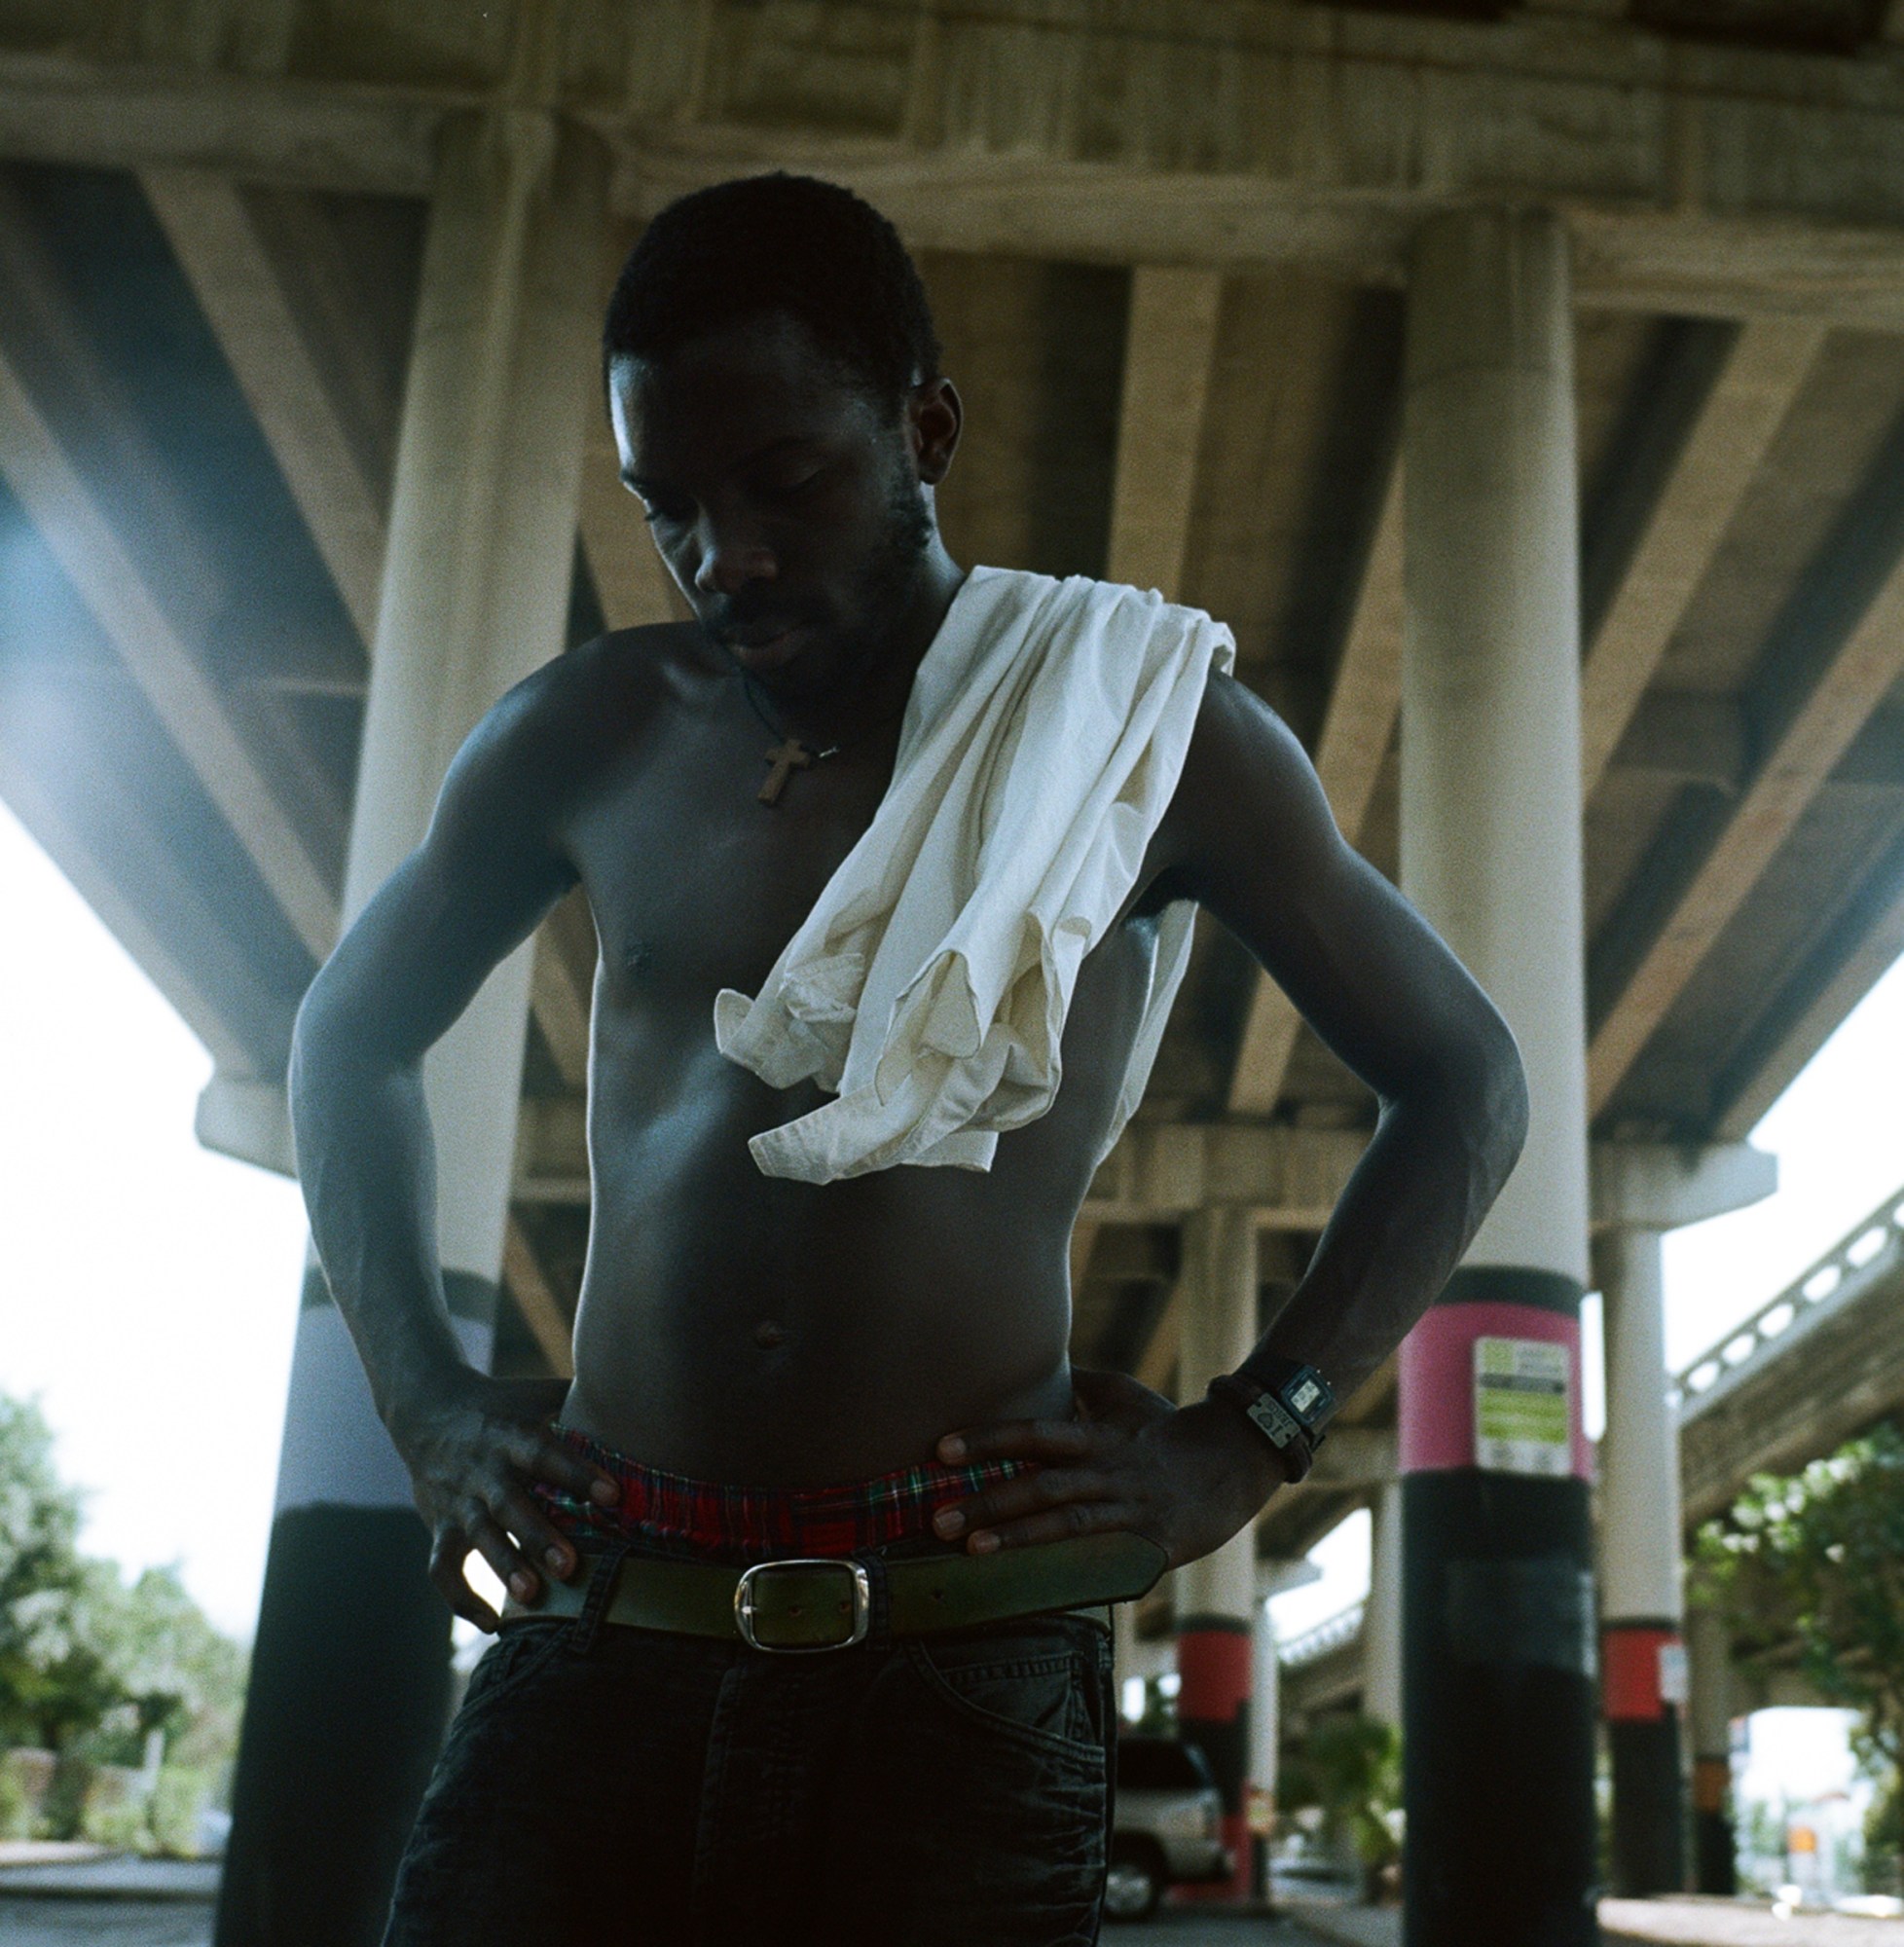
(621, 1786)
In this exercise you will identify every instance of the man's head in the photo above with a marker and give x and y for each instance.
(773, 379)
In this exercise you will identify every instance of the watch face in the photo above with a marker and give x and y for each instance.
(1304, 1396)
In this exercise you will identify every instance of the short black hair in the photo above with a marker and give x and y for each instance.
(811, 249)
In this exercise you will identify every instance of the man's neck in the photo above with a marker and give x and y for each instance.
(877, 690)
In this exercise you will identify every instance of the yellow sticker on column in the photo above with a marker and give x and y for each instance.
(1523, 1406)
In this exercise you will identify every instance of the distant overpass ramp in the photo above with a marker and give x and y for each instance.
(1810, 1370)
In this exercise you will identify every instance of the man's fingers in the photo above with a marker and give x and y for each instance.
(506, 1562)
(1048, 1488)
(446, 1558)
(1021, 1440)
(541, 1541)
(542, 1456)
(1074, 1518)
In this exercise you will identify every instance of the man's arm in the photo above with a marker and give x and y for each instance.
(1250, 837)
(486, 872)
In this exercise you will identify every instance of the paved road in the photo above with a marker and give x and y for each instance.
(103, 1923)
(125, 1923)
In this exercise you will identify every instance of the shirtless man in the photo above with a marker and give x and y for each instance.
(836, 1350)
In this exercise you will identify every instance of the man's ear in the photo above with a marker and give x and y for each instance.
(934, 417)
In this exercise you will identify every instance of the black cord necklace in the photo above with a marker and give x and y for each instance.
(790, 755)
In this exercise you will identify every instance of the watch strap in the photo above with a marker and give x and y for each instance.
(1270, 1419)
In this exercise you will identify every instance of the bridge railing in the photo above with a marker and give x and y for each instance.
(1870, 1251)
(1330, 1634)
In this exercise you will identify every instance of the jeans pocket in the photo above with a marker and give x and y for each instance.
(519, 1651)
(1035, 1690)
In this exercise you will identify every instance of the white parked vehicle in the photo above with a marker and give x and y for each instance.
(1167, 1829)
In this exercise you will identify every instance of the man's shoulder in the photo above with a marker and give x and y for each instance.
(544, 738)
(607, 684)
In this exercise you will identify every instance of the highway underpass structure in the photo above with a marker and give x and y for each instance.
(1817, 1364)
(1273, 304)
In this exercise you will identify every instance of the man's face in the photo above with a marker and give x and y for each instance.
(790, 506)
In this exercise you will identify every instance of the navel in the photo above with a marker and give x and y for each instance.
(768, 1336)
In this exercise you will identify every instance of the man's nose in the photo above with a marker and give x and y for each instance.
(732, 555)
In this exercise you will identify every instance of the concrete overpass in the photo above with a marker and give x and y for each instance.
(1817, 1364)
(1173, 249)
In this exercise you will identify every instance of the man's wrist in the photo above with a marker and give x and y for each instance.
(1249, 1454)
(423, 1394)
(1288, 1406)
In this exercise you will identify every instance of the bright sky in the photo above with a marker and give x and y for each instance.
(149, 1290)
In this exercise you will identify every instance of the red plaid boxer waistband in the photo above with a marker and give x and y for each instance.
(717, 1523)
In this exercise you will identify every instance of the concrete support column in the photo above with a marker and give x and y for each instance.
(1265, 1742)
(1643, 1603)
(1498, 1627)
(1215, 1599)
(1381, 1629)
(348, 1687)
(1709, 1709)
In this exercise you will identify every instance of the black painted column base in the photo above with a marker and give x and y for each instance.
(1649, 1847)
(1715, 1858)
(1499, 1709)
(344, 1718)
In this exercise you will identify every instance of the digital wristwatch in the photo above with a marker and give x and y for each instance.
(1287, 1402)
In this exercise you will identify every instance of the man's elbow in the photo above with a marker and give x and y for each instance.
(1508, 1111)
(1495, 1097)
(314, 1035)
(328, 1040)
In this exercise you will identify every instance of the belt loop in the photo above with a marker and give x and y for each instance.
(595, 1605)
(879, 1619)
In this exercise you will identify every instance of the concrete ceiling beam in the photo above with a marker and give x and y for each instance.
(1866, 942)
(1170, 350)
(631, 583)
(534, 1297)
(1708, 180)
(214, 231)
(562, 985)
(222, 235)
(632, 587)
(1357, 729)
(1684, 738)
(239, 1116)
(1762, 375)
(1802, 744)
(84, 536)
(1291, 1178)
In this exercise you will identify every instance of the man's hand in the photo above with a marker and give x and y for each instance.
(1188, 1478)
(472, 1451)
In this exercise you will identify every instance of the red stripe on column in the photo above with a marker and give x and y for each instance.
(1630, 1682)
(1213, 1668)
(1438, 1381)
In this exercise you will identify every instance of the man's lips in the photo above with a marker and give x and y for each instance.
(765, 646)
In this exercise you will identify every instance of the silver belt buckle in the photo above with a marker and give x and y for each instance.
(857, 1580)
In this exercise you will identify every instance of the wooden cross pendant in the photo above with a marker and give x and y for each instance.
(792, 755)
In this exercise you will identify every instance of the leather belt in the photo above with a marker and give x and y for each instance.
(824, 1603)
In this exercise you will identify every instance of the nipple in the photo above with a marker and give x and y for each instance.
(768, 1335)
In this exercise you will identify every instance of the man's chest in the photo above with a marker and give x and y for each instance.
(695, 883)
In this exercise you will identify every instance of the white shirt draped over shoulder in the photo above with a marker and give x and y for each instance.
(927, 990)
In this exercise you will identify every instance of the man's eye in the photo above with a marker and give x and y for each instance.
(663, 513)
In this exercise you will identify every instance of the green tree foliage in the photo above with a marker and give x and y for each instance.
(86, 1664)
(1350, 1765)
(1814, 1562)
(53, 1683)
